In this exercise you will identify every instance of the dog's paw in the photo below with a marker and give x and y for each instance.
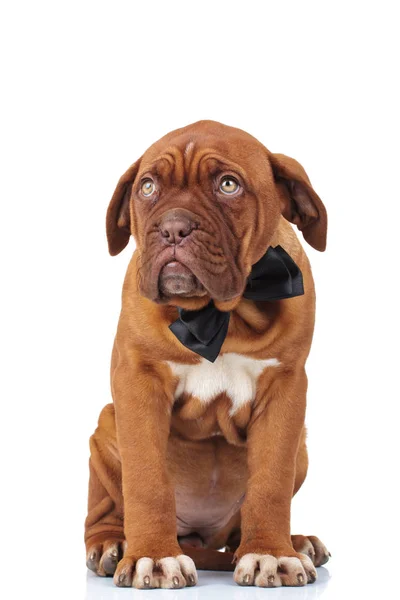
(103, 558)
(313, 547)
(265, 570)
(146, 573)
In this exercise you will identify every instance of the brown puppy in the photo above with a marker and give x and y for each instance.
(193, 456)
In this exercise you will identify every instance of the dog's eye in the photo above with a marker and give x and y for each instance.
(228, 185)
(148, 187)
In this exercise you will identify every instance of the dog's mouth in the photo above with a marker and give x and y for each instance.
(176, 279)
(177, 272)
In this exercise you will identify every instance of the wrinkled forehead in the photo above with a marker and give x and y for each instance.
(189, 159)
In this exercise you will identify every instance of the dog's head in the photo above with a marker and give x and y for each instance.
(203, 204)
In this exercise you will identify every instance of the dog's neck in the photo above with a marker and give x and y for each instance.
(252, 316)
(275, 276)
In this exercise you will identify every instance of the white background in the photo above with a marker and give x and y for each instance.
(86, 88)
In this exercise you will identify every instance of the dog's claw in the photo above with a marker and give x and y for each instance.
(175, 581)
(192, 579)
(246, 579)
(146, 581)
(300, 578)
(271, 579)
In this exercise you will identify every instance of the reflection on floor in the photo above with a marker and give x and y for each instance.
(212, 585)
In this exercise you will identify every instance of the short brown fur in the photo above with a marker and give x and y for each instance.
(154, 456)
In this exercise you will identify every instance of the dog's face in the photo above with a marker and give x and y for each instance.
(203, 204)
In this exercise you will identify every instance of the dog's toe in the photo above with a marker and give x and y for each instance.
(268, 575)
(188, 569)
(103, 558)
(111, 555)
(312, 547)
(321, 552)
(93, 557)
(146, 573)
(123, 575)
(144, 578)
(265, 570)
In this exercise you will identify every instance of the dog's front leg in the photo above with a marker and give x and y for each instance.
(266, 556)
(143, 398)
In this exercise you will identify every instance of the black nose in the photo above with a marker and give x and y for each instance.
(175, 226)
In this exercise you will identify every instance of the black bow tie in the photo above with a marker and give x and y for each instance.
(274, 277)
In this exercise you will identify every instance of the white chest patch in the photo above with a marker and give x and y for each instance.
(232, 373)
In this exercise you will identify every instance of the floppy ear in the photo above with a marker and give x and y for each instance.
(300, 204)
(118, 221)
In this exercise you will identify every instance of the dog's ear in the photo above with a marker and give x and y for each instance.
(118, 220)
(299, 202)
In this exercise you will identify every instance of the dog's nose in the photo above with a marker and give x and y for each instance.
(175, 226)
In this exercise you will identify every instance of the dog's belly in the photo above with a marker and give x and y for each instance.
(234, 374)
(205, 515)
(209, 478)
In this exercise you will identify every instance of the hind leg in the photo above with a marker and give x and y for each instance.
(104, 533)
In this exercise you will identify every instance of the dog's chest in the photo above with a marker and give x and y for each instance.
(234, 374)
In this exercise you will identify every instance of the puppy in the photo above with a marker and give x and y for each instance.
(204, 444)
